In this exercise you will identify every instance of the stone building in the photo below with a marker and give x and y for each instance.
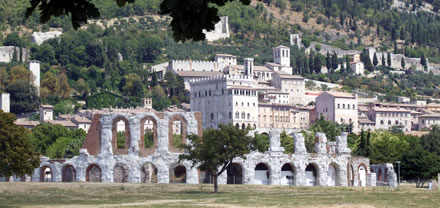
(428, 120)
(221, 30)
(34, 67)
(5, 102)
(339, 107)
(40, 37)
(278, 116)
(103, 160)
(386, 118)
(226, 99)
(7, 53)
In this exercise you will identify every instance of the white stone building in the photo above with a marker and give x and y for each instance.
(339, 107)
(5, 102)
(221, 30)
(292, 84)
(7, 53)
(34, 67)
(358, 68)
(40, 37)
(428, 120)
(226, 99)
(46, 113)
(386, 118)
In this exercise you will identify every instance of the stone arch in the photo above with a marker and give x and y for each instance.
(379, 176)
(148, 173)
(237, 125)
(287, 171)
(120, 173)
(362, 174)
(178, 174)
(235, 174)
(93, 173)
(334, 175)
(68, 174)
(46, 174)
(205, 176)
(350, 174)
(312, 174)
(262, 174)
(175, 138)
(148, 141)
(120, 133)
(243, 126)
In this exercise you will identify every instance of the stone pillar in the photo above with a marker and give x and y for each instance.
(341, 143)
(162, 135)
(371, 179)
(275, 172)
(163, 173)
(274, 138)
(300, 175)
(300, 147)
(320, 143)
(106, 139)
(222, 179)
(135, 135)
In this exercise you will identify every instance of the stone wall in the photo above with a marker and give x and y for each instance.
(98, 161)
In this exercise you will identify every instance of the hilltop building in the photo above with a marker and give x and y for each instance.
(5, 102)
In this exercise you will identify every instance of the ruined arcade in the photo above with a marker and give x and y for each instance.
(104, 159)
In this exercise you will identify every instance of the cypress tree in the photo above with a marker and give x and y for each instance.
(389, 59)
(14, 55)
(21, 54)
(311, 65)
(402, 63)
(328, 62)
(375, 62)
(347, 64)
(423, 60)
(383, 59)
(334, 61)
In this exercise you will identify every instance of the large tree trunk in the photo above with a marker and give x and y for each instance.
(214, 176)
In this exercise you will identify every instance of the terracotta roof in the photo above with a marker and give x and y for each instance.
(379, 109)
(26, 123)
(434, 115)
(285, 75)
(256, 68)
(198, 73)
(47, 106)
(81, 119)
(224, 54)
(63, 123)
(341, 94)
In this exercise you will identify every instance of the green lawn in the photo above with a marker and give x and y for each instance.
(182, 195)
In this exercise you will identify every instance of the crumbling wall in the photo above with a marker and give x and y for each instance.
(111, 166)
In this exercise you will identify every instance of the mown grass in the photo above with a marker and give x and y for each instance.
(182, 195)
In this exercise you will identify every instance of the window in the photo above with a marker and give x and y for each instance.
(243, 115)
(242, 104)
(254, 104)
(339, 106)
(237, 115)
(354, 106)
(230, 115)
(248, 116)
(212, 116)
(248, 104)
(397, 122)
(236, 103)
(343, 106)
(389, 122)
(348, 106)
(381, 122)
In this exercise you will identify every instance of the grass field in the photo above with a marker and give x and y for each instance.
(182, 195)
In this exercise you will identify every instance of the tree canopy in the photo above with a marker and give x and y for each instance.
(215, 150)
(189, 17)
(17, 156)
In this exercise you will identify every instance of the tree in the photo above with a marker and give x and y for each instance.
(189, 17)
(24, 97)
(216, 149)
(287, 143)
(383, 59)
(386, 147)
(334, 61)
(17, 156)
(317, 64)
(389, 59)
(375, 61)
(330, 128)
(328, 63)
(19, 72)
(423, 60)
(260, 142)
(431, 141)
(154, 81)
(402, 63)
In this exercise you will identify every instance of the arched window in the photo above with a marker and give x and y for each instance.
(262, 174)
(120, 173)
(121, 136)
(343, 106)
(178, 174)
(230, 115)
(149, 173)
(248, 116)
(93, 173)
(243, 115)
(148, 133)
(68, 174)
(339, 106)
(354, 106)
(212, 116)
(237, 115)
